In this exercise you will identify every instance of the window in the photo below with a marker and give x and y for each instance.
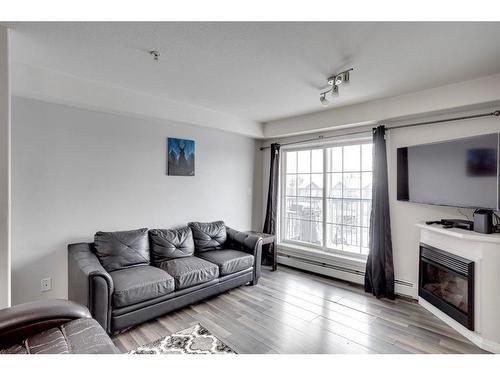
(326, 197)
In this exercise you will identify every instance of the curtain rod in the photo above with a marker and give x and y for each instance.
(321, 137)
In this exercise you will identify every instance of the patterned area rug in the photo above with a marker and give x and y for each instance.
(193, 340)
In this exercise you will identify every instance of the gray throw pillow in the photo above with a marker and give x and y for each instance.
(119, 250)
(168, 244)
(208, 236)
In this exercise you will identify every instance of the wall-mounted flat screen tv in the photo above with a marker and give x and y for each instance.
(459, 173)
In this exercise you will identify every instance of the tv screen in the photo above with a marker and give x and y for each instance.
(481, 162)
(459, 173)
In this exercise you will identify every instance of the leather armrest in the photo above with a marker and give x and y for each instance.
(249, 243)
(89, 283)
(25, 320)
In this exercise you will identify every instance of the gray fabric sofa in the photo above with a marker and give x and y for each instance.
(126, 278)
(52, 327)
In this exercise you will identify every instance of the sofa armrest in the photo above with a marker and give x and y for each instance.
(89, 283)
(249, 243)
(25, 320)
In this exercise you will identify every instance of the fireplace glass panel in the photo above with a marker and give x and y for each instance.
(446, 285)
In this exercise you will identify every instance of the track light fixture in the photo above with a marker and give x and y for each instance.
(335, 81)
(155, 54)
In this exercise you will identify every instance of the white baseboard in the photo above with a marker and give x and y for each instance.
(403, 288)
(327, 271)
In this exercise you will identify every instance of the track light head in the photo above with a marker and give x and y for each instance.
(342, 78)
(347, 76)
(324, 101)
(339, 79)
(335, 90)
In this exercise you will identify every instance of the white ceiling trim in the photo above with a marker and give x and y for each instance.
(452, 97)
(48, 85)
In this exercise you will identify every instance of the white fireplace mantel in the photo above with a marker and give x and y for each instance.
(484, 250)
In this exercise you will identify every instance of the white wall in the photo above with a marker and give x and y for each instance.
(5, 151)
(404, 215)
(76, 171)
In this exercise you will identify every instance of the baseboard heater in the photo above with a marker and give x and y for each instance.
(322, 264)
(402, 287)
(404, 283)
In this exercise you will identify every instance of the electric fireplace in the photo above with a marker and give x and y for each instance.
(447, 282)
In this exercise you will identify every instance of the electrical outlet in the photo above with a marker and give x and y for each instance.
(46, 284)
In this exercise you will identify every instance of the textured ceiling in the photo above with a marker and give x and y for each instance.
(263, 71)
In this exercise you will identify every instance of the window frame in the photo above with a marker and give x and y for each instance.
(282, 196)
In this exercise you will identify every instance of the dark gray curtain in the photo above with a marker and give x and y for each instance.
(379, 275)
(272, 202)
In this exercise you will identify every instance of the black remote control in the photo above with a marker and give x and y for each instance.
(433, 222)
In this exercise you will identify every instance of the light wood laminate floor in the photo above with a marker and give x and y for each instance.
(291, 311)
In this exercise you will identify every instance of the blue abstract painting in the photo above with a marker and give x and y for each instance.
(180, 157)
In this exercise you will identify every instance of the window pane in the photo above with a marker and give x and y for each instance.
(317, 161)
(291, 207)
(334, 236)
(303, 230)
(317, 233)
(352, 185)
(334, 159)
(366, 207)
(291, 162)
(334, 211)
(291, 229)
(365, 241)
(366, 185)
(304, 185)
(291, 185)
(352, 239)
(352, 155)
(304, 161)
(316, 185)
(348, 192)
(317, 209)
(351, 212)
(366, 156)
(304, 208)
(334, 181)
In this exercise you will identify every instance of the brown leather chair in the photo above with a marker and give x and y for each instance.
(52, 327)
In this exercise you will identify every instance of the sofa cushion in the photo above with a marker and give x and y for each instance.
(168, 244)
(229, 261)
(208, 236)
(119, 250)
(137, 284)
(190, 271)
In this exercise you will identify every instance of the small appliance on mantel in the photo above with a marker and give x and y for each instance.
(483, 221)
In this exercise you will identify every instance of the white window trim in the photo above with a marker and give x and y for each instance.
(308, 249)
